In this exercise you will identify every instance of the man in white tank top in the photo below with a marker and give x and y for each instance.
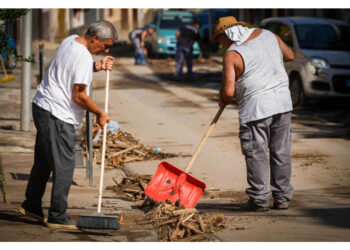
(58, 106)
(254, 73)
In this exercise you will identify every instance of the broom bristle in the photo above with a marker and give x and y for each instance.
(8, 78)
(98, 221)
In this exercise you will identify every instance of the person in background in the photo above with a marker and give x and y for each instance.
(186, 36)
(138, 37)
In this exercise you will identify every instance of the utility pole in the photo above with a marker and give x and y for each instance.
(26, 71)
(210, 21)
(98, 14)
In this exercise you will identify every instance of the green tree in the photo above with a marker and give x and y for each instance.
(10, 15)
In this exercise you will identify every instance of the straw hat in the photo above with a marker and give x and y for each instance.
(224, 23)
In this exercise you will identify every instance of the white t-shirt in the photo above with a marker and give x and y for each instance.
(72, 64)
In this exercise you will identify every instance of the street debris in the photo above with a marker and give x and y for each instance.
(172, 221)
(133, 188)
(175, 223)
(121, 148)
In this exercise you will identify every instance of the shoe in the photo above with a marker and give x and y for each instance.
(68, 224)
(252, 207)
(32, 214)
(280, 206)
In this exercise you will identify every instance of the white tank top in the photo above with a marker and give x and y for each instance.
(263, 89)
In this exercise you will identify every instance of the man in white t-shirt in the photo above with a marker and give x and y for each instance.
(58, 106)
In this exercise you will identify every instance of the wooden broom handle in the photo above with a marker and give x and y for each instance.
(103, 146)
(3, 66)
(205, 137)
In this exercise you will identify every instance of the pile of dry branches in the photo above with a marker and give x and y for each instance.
(132, 187)
(174, 223)
(121, 148)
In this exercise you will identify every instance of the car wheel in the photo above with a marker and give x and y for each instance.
(296, 91)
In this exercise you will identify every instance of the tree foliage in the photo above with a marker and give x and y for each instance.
(10, 15)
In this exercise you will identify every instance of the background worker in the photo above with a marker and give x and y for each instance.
(138, 37)
(186, 36)
(254, 72)
(58, 106)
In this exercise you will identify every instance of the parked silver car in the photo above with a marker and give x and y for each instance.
(321, 68)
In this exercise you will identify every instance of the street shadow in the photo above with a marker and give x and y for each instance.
(337, 217)
(122, 49)
(83, 234)
(9, 119)
(25, 177)
(218, 207)
(326, 119)
(12, 216)
(206, 80)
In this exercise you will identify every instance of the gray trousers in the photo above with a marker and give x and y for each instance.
(256, 137)
(54, 152)
(183, 54)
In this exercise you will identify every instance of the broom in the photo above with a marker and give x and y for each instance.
(98, 220)
(7, 77)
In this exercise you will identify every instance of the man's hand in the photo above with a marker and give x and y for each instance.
(222, 104)
(102, 118)
(105, 64)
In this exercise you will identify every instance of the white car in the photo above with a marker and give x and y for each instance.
(321, 68)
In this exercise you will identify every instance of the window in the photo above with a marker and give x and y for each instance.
(174, 22)
(282, 30)
(286, 35)
(323, 36)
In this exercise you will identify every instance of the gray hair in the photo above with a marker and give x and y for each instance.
(104, 29)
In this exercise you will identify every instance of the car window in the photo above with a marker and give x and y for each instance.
(286, 35)
(273, 27)
(282, 30)
(174, 22)
(323, 36)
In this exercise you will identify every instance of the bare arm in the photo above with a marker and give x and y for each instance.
(227, 89)
(178, 34)
(288, 54)
(83, 100)
(143, 38)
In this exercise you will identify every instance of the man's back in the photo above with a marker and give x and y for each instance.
(188, 35)
(262, 90)
(136, 33)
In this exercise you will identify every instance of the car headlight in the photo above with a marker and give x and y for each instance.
(161, 39)
(319, 63)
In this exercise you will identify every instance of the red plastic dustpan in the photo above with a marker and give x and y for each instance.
(174, 184)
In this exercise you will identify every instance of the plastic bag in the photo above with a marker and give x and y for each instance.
(113, 126)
